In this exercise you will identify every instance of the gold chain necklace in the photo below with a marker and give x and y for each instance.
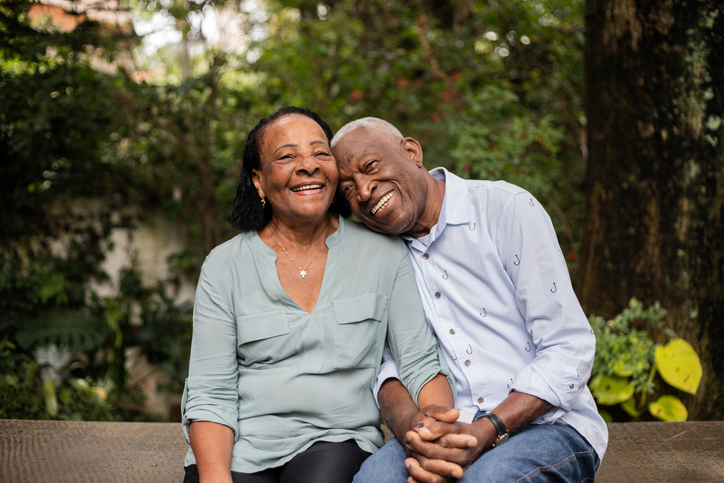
(302, 271)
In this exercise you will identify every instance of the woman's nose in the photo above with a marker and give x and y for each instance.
(308, 164)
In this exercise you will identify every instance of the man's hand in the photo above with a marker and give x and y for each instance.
(441, 448)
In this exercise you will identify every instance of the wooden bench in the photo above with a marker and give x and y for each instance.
(60, 451)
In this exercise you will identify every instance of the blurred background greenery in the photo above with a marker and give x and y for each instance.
(121, 129)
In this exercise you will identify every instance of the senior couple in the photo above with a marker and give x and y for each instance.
(454, 315)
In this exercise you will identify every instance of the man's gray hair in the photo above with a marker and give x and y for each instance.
(378, 126)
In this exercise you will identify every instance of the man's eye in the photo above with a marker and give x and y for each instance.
(370, 165)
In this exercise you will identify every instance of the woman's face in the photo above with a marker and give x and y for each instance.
(297, 173)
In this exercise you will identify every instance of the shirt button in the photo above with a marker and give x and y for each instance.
(481, 399)
(452, 331)
(571, 386)
(438, 295)
(467, 363)
(425, 256)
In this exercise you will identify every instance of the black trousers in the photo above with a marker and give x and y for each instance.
(323, 462)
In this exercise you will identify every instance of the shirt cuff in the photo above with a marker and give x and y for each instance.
(560, 388)
(209, 413)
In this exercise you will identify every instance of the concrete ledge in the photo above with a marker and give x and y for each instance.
(60, 451)
(664, 452)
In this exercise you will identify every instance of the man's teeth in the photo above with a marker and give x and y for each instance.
(381, 203)
(308, 187)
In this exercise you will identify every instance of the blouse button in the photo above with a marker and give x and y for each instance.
(425, 256)
(571, 386)
(481, 399)
(438, 295)
(452, 331)
(467, 362)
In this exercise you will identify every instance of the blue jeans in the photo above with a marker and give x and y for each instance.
(536, 453)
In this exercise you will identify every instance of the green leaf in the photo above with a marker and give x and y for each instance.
(64, 328)
(611, 390)
(605, 415)
(668, 408)
(629, 405)
(679, 365)
(620, 368)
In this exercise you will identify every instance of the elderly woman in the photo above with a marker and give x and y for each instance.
(290, 320)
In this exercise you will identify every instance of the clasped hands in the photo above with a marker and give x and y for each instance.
(440, 448)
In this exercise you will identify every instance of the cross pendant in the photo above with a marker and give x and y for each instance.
(303, 273)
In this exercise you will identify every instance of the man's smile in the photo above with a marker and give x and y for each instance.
(381, 204)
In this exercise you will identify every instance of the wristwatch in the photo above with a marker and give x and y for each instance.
(500, 428)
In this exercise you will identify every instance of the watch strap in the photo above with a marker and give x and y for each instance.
(500, 429)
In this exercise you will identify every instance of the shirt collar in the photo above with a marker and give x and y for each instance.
(455, 208)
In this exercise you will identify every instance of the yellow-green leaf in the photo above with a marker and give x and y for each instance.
(629, 405)
(669, 408)
(622, 369)
(679, 365)
(611, 390)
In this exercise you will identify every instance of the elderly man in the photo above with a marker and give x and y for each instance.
(497, 293)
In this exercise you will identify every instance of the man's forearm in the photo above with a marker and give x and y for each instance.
(517, 410)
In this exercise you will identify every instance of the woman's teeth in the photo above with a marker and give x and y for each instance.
(381, 203)
(308, 187)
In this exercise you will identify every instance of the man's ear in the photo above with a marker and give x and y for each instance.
(414, 150)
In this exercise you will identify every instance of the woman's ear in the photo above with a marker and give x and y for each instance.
(414, 150)
(256, 179)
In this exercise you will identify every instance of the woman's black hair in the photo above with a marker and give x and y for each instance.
(248, 213)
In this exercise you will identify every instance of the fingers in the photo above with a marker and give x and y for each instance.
(441, 413)
(432, 471)
(430, 450)
(460, 441)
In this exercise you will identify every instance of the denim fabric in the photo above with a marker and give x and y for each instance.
(537, 453)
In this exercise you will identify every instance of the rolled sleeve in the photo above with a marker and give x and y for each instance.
(564, 342)
(411, 341)
(211, 390)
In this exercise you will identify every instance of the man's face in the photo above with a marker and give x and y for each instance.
(382, 180)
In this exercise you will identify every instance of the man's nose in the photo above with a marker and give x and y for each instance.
(365, 190)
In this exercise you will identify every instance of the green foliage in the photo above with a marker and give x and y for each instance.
(492, 90)
(627, 361)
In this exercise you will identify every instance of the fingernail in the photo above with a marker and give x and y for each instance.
(419, 425)
(407, 442)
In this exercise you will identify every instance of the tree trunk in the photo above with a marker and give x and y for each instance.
(655, 100)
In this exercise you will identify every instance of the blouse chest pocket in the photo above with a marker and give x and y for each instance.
(359, 331)
(265, 340)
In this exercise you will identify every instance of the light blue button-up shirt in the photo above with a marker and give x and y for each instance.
(496, 291)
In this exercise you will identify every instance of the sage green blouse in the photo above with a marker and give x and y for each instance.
(283, 378)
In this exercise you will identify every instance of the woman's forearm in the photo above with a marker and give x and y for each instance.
(436, 391)
(212, 444)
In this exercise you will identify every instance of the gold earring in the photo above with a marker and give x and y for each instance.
(263, 202)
